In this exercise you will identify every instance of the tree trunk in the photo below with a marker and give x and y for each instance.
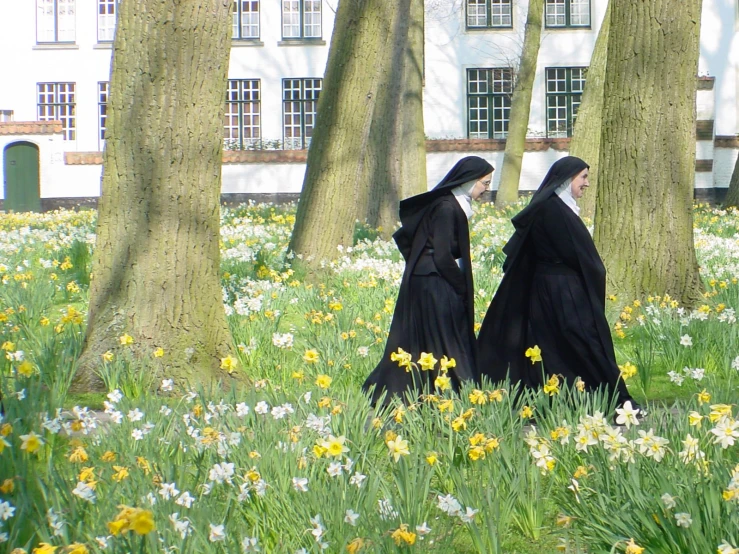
(156, 259)
(398, 145)
(518, 124)
(732, 195)
(369, 132)
(644, 217)
(585, 142)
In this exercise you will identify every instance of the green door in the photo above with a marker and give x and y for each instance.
(20, 165)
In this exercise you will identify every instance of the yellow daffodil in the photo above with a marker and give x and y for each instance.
(323, 381)
(628, 370)
(443, 382)
(311, 356)
(402, 357)
(534, 354)
(126, 340)
(633, 548)
(78, 455)
(44, 548)
(159, 352)
(527, 412)
(447, 363)
(229, 363)
(478, 397)
(108, 356)
(427, 361)
(551, 387)
(7, 487)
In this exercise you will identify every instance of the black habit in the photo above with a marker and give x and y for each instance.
(434, 312)
(552, 295)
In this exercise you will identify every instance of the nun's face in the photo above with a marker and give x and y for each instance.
(580, 183)
(481, 186)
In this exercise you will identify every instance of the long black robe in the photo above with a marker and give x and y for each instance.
(552, 295)
(434, 311)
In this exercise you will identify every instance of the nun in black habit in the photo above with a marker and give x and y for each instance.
(552, 294)
(434, 312)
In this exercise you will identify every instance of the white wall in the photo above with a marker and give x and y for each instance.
(450, 50)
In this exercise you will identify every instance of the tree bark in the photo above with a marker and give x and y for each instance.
(369, 134)
(156, 260)
(644, 217)
(518, 124)
(732, 195)
(398, 145)
(585, 142)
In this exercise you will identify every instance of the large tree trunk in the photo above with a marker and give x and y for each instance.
(398, 144)
(644, 218)
(156, 259)
(510, 174)
(732, 195)
(369, 132)
(585, 142)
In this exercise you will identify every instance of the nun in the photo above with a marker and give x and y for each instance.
(552, 295)
(434, 312)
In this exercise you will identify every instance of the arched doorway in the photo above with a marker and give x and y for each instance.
(21, 170)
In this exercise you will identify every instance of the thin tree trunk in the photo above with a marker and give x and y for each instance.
(156, 259)
(585, 142)
(732, 195)
(520, 107)
(644, 218)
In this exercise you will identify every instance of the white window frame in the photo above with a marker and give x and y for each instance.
(57, 102)
(299, 111)
(243, 116)
(302, 19)
(56, 21)
(107, 15)
(246, 22)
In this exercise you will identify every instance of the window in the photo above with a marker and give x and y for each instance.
(568, 13)
(488, 102)
(564, 93)
(103, 90)
(488, 13)
(56, 103)
(242, 122)
(300, 97)
(245, 19)
(55, 20)
(106, 20)
(301, 19)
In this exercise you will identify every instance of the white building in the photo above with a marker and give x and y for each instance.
(56, 66)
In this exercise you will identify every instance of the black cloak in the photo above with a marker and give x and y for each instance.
(557, 303)
(434, 311)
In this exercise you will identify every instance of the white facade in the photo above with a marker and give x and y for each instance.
(78, 53)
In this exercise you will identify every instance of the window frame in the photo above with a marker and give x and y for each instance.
(56, 23)
(302, 37)
(238, 12)
(304, 140)
(115, 4)
(488, 17)
(103, 92)
(69, 121)
(568, 94)
(490, 96)
(241, 140)
(568, 16)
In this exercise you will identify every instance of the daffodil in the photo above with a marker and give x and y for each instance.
(323, 381)
(311, 356)
(534, 354)
(427, 361)
(398, 447)
(31, 442)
